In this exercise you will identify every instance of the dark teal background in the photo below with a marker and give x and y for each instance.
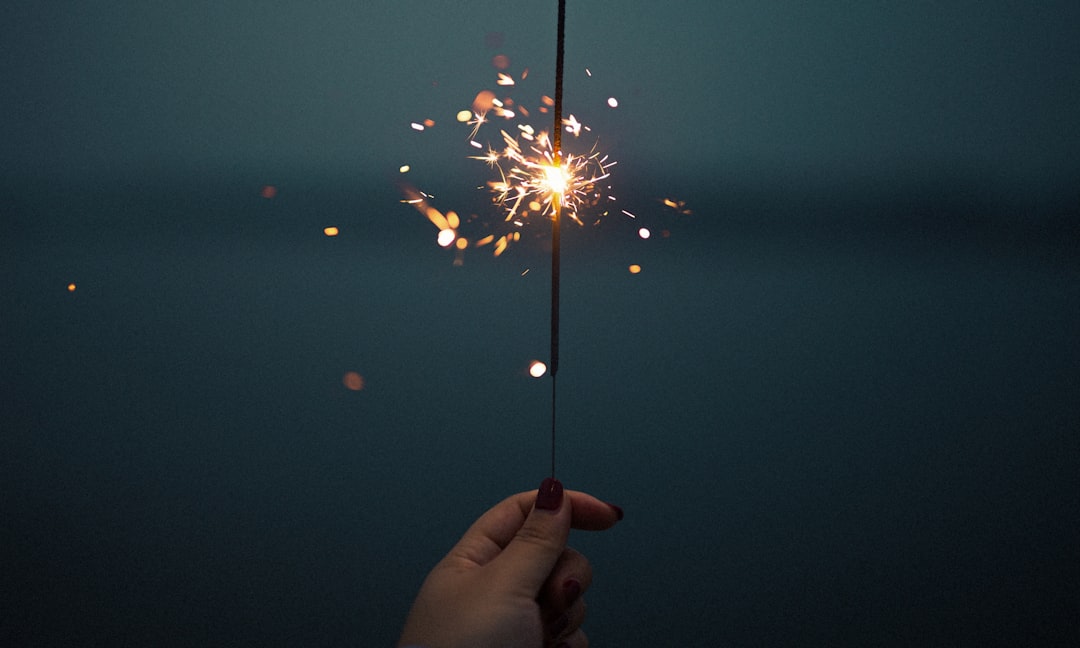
(840, 405)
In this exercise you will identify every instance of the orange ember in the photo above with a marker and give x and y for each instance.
(353, 381)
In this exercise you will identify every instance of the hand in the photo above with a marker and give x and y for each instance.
(511, 581)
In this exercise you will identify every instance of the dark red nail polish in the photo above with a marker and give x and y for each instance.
(571, 590)
(549, 497)
(618, 510)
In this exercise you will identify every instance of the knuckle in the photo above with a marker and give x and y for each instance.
(535, 536)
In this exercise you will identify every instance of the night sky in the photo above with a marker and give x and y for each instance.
(840, 404)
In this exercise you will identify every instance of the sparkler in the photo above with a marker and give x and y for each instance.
(555, 253)
(536, 179)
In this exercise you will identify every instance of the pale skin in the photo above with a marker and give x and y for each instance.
(511, 581)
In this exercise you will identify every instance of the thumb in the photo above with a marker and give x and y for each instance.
(528, 559)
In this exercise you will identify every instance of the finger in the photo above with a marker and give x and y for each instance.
(569, 579)
(529, 557)
(565, 623)
(577, 639)
(592, 514)
(498, 526)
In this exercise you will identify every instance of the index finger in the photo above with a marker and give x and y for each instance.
(497, 527)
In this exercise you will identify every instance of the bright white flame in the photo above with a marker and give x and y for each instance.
(556, 179)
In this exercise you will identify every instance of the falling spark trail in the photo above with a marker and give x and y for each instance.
(557, 146)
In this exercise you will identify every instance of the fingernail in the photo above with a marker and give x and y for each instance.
(618, 510)
(571, 590)
(550, 495)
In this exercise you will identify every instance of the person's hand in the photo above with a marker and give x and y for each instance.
(511, 581)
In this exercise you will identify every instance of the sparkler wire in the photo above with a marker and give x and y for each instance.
(557, 145)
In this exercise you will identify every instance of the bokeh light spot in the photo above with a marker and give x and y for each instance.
(446, 237)
(484, 101)
(71, 287)
(268, 191)
(353, 381)
(500, 61)
(537, 369)
(635, 268)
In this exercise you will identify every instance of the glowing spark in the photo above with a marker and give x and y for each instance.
(628, 214)
(446, 237)
(537, 369)
(330, 231)
(677, 205)
(644, 233)
(71, 287)
(529, 179)
(404, 168)
(530, 182)
(483, 101)
(556, 180)
(477, 121)
(573, 126)
(613, 102)
(635, 268)
(353, 381)
(446, 224)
